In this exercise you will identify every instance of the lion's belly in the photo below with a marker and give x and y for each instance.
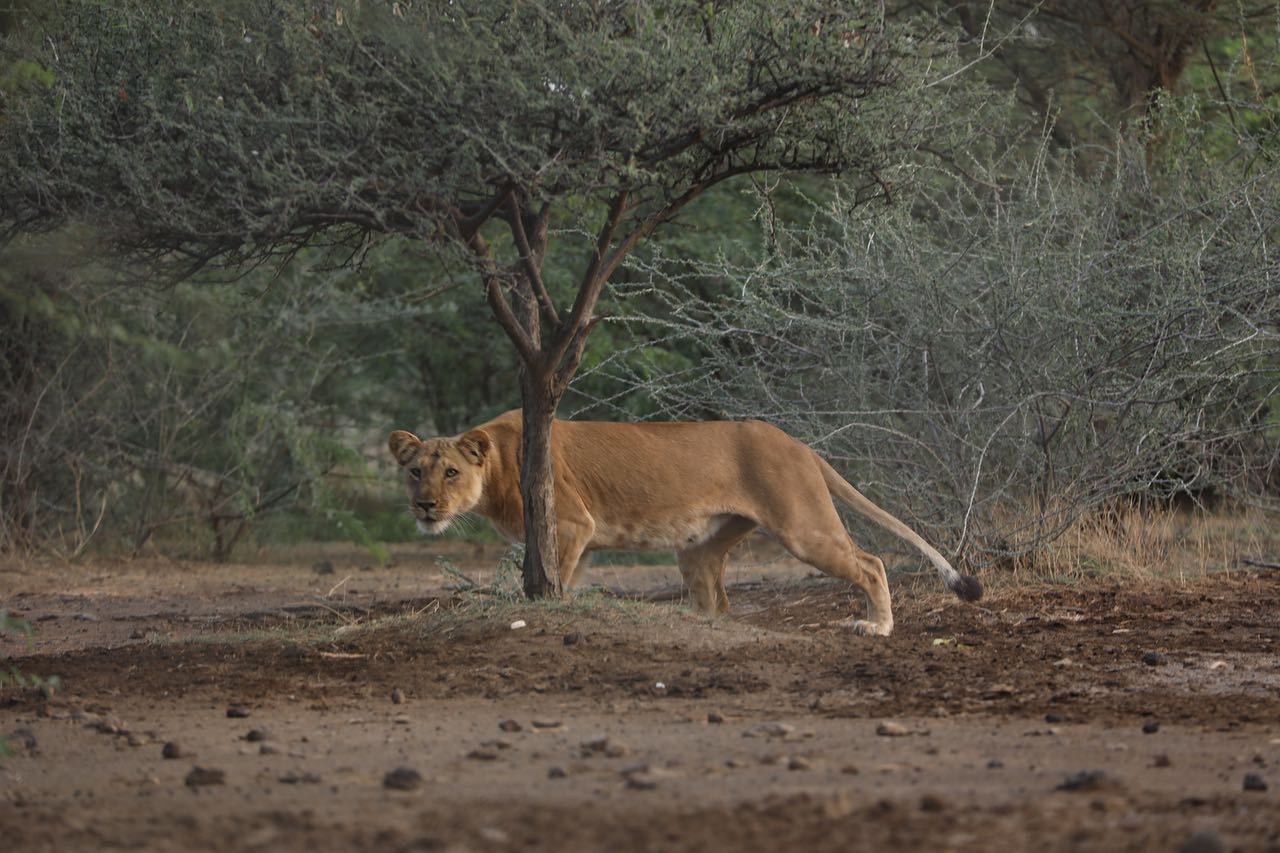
(668, 533)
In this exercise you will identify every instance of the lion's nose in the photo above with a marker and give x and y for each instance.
(426, 505)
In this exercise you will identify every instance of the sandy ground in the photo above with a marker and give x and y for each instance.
(1087, 716)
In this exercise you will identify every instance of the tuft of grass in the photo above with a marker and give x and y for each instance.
(1152, 544)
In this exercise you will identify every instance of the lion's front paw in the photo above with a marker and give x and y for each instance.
(863, 628)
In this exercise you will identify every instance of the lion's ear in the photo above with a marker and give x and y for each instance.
(403, 446)
(475, 445)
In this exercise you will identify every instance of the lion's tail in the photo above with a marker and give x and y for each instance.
(966, 587)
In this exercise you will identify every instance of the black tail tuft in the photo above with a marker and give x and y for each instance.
(967, 588)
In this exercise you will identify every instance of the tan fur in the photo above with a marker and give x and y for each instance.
(698, 488)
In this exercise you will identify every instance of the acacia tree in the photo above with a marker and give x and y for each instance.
(195, 137)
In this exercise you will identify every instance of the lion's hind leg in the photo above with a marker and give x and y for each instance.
(836, 555)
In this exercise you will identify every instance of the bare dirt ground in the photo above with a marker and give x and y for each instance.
(1093, 715)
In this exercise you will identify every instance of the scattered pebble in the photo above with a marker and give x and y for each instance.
(774, 729)
(397, 696)
(1150, 727)
(1053, 718)
(849, 770)
(573, 638)
(323, 567)
(604, 746)
(268, 749)
(1254, 782)
(257, 735)
(237, 712)
(482, 755)
(136, 739)
(889, 728)
(1219, 664)
(510, 726)
(518, 624)
(1205, 841)
(1161, 760)
(932, 803)
(545, 724)
(201, 776)
(799, 762)
(556, 773)
(1089, 780)
(172, 750)
(995, 764)
(402, 779)
(292, 778)
(715, 717)
(22, 739)
(1153, 658)
(136, 634)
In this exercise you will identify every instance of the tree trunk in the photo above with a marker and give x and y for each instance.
(541, 570)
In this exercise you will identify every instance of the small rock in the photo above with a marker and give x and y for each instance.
(770, 730)
(323, 567)
(397, 696)
(715, 717)
(889, 728)
(510, 726)
(257, 735)
(518, 624)
(798, 762)
(1161, 760)
(237, 712)
(849, 770)
(573, 638)
(556, 773)
(997, 691)
(643, 777)
(995, 764)
(201, 776)
(172, 750)
(1153, 658)
(604, 746)
(642, 781)
(1205, 841)
(932, 803)
(136, 739)
(1053, 718)
(1219, 664)
(493, 835)
(136, 634)
(402, 779)
(545, 724)
(22, 739)
(1150, 727)
(1089, 780)
(268, 749)
(292, 778)
(482, 755)
(1254, 782)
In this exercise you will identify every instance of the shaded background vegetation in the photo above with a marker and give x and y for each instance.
(1066, 302)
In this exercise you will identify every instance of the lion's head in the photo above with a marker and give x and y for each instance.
(445, 476)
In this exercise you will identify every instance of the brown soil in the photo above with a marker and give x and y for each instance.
(1014, 725)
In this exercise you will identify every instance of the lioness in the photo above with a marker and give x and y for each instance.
(697, 487)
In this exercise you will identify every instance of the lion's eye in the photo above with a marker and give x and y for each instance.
(415, 473)
(451, 473)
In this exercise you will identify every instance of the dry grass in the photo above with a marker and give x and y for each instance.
(1157, 544)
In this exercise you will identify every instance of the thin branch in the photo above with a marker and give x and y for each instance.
(531, 260)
